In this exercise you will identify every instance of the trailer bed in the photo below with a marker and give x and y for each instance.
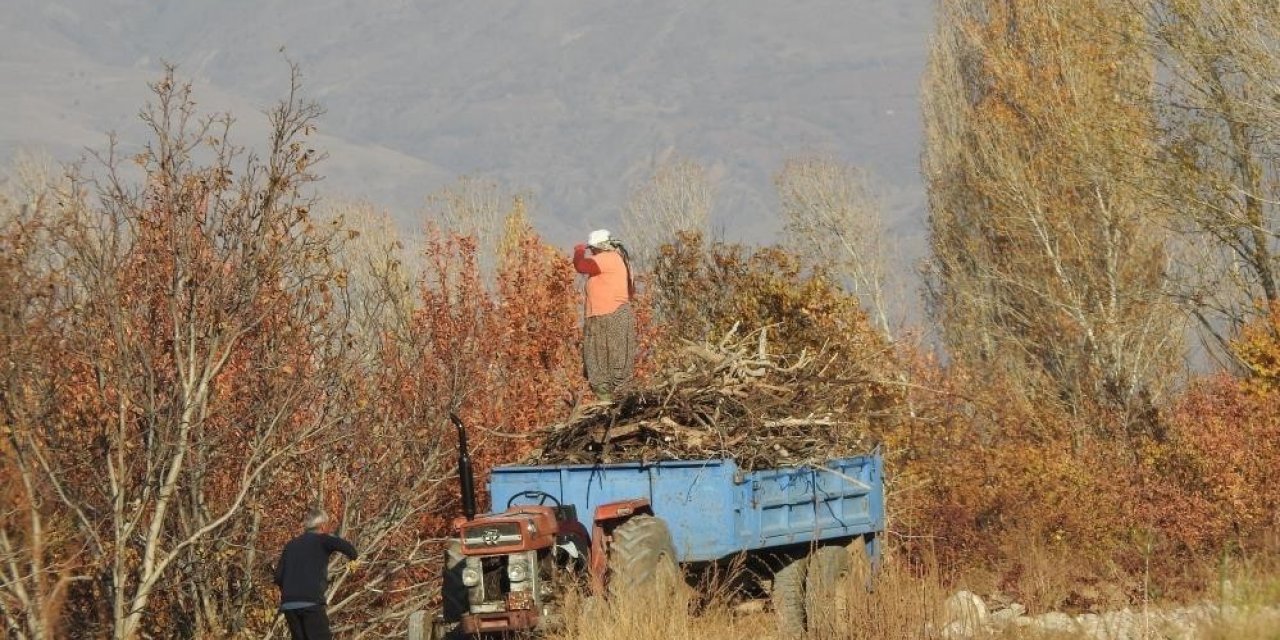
(715, 509)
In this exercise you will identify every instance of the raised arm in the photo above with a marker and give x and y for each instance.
(583, 264)
(279, 578)
(334, 543)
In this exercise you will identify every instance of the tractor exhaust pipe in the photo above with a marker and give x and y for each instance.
(465, 477)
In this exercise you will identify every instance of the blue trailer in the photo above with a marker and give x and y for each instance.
(630, 525)
(714, 509)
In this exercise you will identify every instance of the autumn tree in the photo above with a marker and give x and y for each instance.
(39, 559)
(189, 327)
(387, 479)
(1220, 68)
(799, 309)
(476, 208)
(433, 333)
(1048, 256)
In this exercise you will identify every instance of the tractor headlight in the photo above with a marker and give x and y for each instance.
(470, 577)
(518, 570)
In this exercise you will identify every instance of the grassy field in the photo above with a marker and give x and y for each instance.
(906, 604)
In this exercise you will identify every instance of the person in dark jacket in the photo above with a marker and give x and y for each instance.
(303, 576)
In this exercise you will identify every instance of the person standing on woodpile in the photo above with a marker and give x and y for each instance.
(303, 576)
(609, 331)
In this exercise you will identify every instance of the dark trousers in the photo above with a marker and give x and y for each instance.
(308, 624)
(609, 349)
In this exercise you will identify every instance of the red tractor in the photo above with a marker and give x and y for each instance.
(505, 572)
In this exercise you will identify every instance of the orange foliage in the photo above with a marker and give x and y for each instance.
(799, 307)
(1258, 349)
(981, 474)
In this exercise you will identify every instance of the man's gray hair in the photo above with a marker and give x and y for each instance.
(315, 517)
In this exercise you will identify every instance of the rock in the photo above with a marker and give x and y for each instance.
(1008, 614)
(1090, 625)
(957, 631)
(1120, 625)
(966, 606)
(966, 615)
(1022, 622)
(1055, 621)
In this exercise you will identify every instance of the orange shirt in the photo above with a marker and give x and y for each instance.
(607, 283)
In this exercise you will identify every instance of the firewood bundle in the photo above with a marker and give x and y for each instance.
(731, 398)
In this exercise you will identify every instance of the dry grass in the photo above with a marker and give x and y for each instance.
(1261, 627)
(1252, 590)
(906, 603)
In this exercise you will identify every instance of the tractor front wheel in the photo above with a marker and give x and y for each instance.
(642, 556)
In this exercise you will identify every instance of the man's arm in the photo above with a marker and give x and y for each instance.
(583, 264)
(279, 579)
(334, 543)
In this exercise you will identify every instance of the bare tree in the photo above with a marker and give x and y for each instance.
(833, 216)
(677, 198)
(380, 273)
(1221, 69)
(474, 207)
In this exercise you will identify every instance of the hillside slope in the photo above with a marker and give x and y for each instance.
(573, 100)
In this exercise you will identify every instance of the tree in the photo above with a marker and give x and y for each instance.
(677, 198)
(39, 562)
(190, 325)
(833, 216)
(1220, 71)
(476, 208)
(379, 270)
(1048, 257)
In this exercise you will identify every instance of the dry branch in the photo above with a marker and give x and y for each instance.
(728, 398)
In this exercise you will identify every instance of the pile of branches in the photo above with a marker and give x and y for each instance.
(730, 398)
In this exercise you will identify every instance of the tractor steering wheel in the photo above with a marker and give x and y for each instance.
(542, 497)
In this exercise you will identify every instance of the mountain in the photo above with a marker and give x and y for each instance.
(573, 101)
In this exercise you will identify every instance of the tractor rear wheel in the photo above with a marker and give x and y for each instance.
(643, 556)
(825, 586)
(787, 596)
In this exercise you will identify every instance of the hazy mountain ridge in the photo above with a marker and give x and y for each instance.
(571, 100)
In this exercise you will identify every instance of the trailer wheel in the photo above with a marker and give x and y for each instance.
(788, 598)
(824, 592)
(642, 555)
(861, 568)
